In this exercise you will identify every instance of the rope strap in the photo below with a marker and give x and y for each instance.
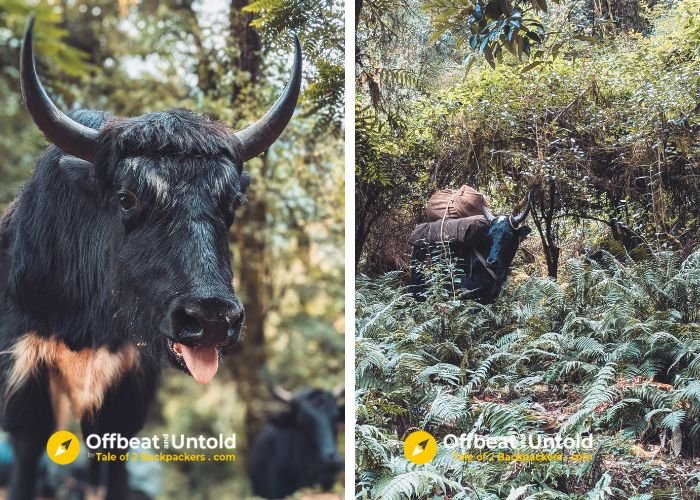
(483, 263)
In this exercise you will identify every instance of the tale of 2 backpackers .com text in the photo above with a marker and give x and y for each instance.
(162, 457)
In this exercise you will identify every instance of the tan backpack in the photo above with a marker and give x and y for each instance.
(455, 204)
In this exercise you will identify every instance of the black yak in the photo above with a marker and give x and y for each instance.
(480, 261)
(114, 261)
(298, 447)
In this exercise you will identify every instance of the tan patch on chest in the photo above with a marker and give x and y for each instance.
(82, 376)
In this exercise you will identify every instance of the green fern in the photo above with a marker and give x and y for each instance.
(617, 354)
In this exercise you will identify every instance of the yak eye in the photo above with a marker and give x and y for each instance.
(127, 201)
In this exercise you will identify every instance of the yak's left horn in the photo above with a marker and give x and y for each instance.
(518, 219)
(281, 393)
(72, 137)
(278, 392)
(259, 136)
(486, 212)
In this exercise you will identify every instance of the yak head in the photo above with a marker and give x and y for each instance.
(315, 414)
(144, 207)
(505, 234)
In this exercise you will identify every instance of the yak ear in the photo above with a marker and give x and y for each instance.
(81, 172)
(523, 231)
(484, 229)
(245, 181)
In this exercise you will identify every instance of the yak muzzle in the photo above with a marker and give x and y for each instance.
(200, 329)
(207, 322)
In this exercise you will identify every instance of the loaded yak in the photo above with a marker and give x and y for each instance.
(297, 448)
(114, 261)
(481, 249)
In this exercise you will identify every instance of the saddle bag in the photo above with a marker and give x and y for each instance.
(460, 230)
(455, 204)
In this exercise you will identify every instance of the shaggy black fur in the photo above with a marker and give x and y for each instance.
(110, 255)
(297, 448)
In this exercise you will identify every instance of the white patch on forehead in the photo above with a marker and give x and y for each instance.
(224, 181)
(501, 218)
(213, 178)
(132, 164)
(148, 178)
(157, 184)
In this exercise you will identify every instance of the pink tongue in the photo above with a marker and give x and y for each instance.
(202, 362)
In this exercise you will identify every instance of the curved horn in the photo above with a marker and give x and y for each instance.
(282, 394)
(487, 213)
(260, 135)
(72, 137)
(278, 392)
(518, 219)
(339, 391)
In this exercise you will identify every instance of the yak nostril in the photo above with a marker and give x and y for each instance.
(238, 317)
(234, 331)
(186, 320)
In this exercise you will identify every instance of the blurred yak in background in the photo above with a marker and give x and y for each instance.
(298, 447)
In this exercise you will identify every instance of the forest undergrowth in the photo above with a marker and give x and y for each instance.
(611, 349)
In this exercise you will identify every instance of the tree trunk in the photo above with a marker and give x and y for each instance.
(544, 223)
(618, 16)
(246, 363)
(248, 62)
(250, 236)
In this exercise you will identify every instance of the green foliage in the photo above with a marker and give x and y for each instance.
(19, 139)
(605, 136)
(49, 38)
(612, 349)
(320, 26)
(489, 27)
